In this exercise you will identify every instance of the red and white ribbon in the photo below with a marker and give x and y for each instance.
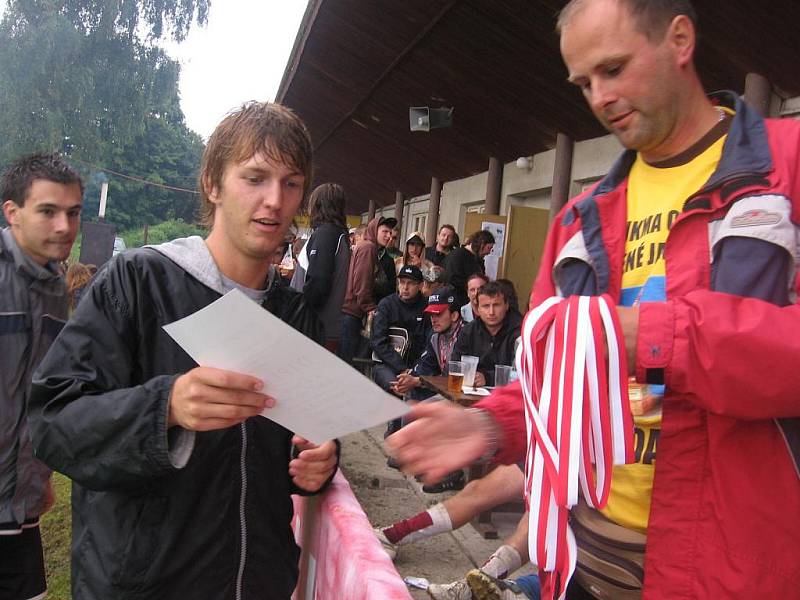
(578, 419)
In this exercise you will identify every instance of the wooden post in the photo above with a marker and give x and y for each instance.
(493, 184)
(562, 174)
(398, 209)
(432, 222)
(145, 235)
(371, 211)
(757, 92)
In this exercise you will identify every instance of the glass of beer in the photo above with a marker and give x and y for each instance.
(455, 376)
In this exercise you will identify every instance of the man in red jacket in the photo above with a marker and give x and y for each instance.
(694, 233)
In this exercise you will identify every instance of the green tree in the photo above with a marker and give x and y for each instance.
(165, 154)
(83, 76)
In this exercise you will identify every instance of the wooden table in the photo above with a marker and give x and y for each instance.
(438, 383)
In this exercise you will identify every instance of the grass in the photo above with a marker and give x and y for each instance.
(56, 538)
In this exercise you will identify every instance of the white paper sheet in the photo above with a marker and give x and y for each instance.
(318, 396)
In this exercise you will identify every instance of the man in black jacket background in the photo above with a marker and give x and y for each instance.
(180, 489)
(491, 336)
(467, 260)
(437, 253)
(402, 309)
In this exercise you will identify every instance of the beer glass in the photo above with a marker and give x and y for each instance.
(502, 375)
(470, 364)
(455, 376)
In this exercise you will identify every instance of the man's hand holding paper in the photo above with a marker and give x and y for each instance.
(206, 398)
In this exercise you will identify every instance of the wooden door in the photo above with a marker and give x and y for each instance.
(525, 236)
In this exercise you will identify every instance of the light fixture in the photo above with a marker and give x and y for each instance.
(525, 162)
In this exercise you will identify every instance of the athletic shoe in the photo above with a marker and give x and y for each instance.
(388, 547)
(451, 482)
(486, 587)
(458, 590)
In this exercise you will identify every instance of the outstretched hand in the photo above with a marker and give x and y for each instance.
(441, 438)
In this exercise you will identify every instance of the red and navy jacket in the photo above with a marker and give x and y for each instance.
(725, 512)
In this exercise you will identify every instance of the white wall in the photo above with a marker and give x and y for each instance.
(591, 160)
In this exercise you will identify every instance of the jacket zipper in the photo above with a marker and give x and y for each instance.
(242, 517)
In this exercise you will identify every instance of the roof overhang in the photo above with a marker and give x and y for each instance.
(357, 67)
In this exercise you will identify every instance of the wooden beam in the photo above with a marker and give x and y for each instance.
(399, 201)
(757, 92)
(493, 184)
(562, 174)
(432, 221)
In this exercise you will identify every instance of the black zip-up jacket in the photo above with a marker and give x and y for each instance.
(162, 514)
(459, 265)
(393, 312)
(475, 340)
(328, 252)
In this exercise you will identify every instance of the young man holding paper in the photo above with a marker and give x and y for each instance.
(178, 492)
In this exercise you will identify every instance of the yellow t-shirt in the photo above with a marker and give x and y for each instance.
(655, 198)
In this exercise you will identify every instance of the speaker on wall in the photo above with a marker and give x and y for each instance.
(422, 118)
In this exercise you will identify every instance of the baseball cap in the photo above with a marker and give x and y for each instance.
(410, 272)
(442, 300)
(388, 221)
(415, 238)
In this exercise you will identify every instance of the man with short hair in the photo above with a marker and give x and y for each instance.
(41, 197)
(470, 310)
(370, 278)
(712, 329)
(437, 253)
(490, 337)
(393, 247)
(181, 489)
(402, 309)
(466, 260)
(433, 279)
(446, 324)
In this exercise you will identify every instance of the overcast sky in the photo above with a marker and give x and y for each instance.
(240, 55)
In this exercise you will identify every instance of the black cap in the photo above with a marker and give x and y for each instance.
(390, 222)
(410, 272)
(441, 300)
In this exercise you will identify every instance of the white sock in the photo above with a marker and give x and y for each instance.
(504, 561)
(441, 523)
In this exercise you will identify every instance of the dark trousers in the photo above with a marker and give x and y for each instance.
(384, 375)
(21, 565)
(350, 340)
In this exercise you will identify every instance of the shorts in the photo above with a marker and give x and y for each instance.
(22, 566)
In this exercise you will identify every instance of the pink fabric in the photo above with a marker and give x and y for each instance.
(349, 560)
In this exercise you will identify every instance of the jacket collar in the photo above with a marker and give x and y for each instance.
(193, 256)
(23, 263)
(745, 152)
(746, 149)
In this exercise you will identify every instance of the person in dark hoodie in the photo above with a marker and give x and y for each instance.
(370, 278)
(402, 309)
(492, 335)
(179, 488)
(328, 259)
(464, 261)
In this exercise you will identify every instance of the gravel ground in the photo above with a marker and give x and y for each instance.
(386, 495)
